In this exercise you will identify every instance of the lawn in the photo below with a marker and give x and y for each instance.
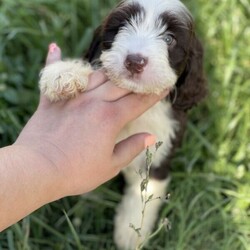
(209, 207)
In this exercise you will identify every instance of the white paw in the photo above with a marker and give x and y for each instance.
(130, 212)
(64, 79)
(125, 237)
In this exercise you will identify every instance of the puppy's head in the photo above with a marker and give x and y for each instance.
(148, 46)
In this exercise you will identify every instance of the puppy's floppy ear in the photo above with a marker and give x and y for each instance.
(95, 49)
(191, 85)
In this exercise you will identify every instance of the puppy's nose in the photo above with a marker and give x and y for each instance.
(135, 63)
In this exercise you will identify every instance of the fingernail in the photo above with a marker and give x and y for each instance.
(150, 141)
(52, 47)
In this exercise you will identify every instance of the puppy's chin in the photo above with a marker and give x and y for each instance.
(143, 83)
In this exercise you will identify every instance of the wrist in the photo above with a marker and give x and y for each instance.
(27, 182)
(48, 159)
(37, 172)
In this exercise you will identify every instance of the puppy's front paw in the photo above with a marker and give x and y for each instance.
(64, 79)
(129, 212)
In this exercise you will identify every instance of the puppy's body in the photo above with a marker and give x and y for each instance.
(145, 46)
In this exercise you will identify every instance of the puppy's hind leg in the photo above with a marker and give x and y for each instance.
(62, 80)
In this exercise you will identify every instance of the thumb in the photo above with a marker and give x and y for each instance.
(125, 151)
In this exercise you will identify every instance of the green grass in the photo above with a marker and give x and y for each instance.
(210, 189)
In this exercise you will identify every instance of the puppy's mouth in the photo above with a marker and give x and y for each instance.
(133, 76)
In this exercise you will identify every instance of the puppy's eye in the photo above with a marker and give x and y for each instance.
(169, 39)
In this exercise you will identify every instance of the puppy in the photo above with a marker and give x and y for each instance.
(145, 46)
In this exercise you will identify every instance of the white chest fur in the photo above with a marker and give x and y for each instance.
(158, 121)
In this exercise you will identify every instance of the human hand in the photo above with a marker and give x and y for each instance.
(77, 137)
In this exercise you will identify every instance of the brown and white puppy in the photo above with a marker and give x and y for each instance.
(145, 46)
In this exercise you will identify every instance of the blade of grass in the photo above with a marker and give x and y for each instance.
(73, 232)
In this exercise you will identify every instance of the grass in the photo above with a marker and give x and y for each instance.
(210, 191)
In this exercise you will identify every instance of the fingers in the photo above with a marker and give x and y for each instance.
(54, 54)
(104, 89)
(133, 105)
(108, 92)
(96, 79)
(126, 150)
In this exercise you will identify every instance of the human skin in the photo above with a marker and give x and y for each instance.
(69, 147)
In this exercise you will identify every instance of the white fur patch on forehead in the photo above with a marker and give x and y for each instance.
(157, 7)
